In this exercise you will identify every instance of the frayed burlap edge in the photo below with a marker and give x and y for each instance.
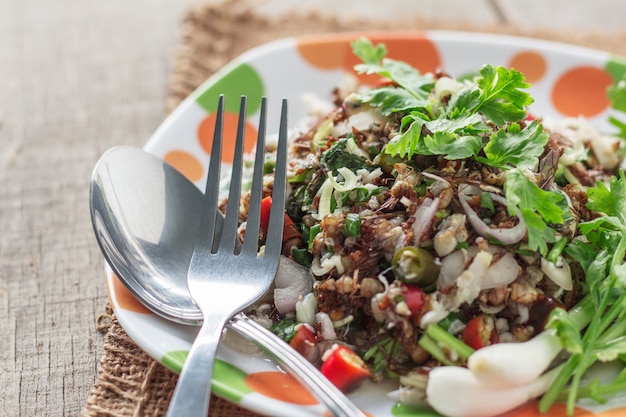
(129, 382)
(132, 384)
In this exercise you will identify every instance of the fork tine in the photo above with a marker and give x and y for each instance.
(211, 193)
(231, 221)
(251, 240)
(273, 242)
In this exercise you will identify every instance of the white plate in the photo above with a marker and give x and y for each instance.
(566, 81)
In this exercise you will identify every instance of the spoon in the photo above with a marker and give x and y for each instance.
(144, 214)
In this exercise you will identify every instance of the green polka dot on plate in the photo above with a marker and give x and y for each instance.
(239, 81)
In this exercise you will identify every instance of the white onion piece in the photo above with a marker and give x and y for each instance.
(326, 264)
(424, 216)
(508, 236)
(500, 273)
(474, 399)
(326, 326)
(560, 273)
(351, 180)
(452, 229)
(447, 86)
(292, 280)
(305, 309)
(451, 267)
(325, 193)
(469, 281)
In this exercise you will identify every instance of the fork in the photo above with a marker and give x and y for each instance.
(224, 277)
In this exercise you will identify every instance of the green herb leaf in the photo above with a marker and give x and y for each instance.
(352, 225)
(536, 206)
(408, 143)
(514, 147)
(501, 98)
(339, 155)
(367, 52)
(285, 329)
(610, 201)
(452, 146)
(400, 73)
(393, 100)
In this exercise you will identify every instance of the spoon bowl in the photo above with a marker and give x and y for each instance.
(145, 214)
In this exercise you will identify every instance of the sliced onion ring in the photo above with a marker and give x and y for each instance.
(508, 236)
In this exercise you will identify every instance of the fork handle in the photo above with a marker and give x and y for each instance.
(193, 390)
(337, 403)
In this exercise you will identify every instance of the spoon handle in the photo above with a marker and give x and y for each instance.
(193, 390)
(337, 403)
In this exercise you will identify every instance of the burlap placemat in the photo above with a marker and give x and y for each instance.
(129, 382)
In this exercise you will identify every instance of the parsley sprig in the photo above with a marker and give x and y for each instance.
(463, 127)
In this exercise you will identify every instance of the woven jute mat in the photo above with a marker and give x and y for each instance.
(129, 382)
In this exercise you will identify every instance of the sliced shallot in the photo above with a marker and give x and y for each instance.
(507, 236)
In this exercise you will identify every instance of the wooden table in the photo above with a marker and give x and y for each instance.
(78, 77)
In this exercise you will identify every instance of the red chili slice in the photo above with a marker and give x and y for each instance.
(414, 298)
(344, 368)
(480, 332)
(303, 340)
(266, 206)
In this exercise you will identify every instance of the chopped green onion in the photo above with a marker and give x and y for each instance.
(302, 256)
(313, 231)
(486, 202)
(439, 343)
(352, 227)
(285, 329)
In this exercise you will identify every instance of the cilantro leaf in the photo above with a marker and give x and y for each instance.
(393, 100)
(463, 123)
(514, 147)
(501, 98)
(409, 142)
(452, 146)
(536, 206)
(523, 193)
(453, 138)
(367, 52)
(610, 201)
(465, 101)
(401, 73)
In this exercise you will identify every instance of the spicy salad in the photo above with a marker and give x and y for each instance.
(439, 235)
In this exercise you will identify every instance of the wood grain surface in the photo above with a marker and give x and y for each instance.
(76, 78)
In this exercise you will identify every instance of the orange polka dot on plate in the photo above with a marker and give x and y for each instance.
(186, 163)
(207, 126)
(581, 91)
(280, 386)
(326, 54)
(124, 299)
(530, 63)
